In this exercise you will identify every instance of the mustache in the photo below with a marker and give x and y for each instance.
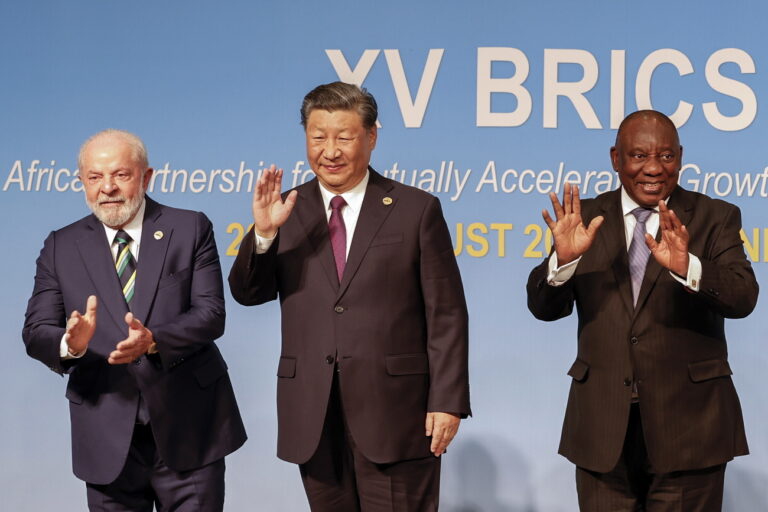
(103, 198)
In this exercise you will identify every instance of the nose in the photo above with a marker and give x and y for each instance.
(652, 165)
(331, 149)
(107, 184)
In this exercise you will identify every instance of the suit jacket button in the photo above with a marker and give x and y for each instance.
(627, 382)
(339, 309)
(137, 362)
(634, 340)
(330, 359)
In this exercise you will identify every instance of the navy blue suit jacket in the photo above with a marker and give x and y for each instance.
(179, 297)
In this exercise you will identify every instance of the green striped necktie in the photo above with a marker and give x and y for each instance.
(125, 265)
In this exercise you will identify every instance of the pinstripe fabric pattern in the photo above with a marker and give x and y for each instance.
(638, 251)
(125, 265)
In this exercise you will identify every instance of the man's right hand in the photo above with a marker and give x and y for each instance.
(571, 238)
(269, 210)
(80, 328)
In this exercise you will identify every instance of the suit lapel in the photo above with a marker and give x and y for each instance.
(100, 265)
(311, 213)
(614, 239)
(372, 214)
(151, 259)
(678, 201)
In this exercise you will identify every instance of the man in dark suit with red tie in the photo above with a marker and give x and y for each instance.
(152, 408)
(653, 270)
(372, 379)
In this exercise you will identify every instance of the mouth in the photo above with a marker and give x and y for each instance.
(333, 167)
(651, 187)
(112, 203)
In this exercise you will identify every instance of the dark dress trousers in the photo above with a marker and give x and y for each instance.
(395, 327)
(178, 296)
(671, 345)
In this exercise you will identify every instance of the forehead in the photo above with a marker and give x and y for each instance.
(648, 132)
(336, 119)
(109, 153)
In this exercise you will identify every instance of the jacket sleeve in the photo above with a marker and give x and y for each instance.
(446, 315)
(253, 277)
(728, 283)
(45, 319)
(548, 302)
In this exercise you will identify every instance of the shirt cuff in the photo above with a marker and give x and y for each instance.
(692, 280)
(558, 276)
(64, 351)
(263, 244)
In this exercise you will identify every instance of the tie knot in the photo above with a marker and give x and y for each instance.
(642, 214)
(122, 238)
(337, 202)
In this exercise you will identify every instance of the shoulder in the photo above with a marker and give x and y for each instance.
(695, 200)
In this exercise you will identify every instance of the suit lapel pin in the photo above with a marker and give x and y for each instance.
(158, 235)
(387, 201)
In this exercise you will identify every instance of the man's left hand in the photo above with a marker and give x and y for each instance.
(672, 251)
(442, 426)
(135, 345)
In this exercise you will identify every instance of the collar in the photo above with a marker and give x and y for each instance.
(353, 197)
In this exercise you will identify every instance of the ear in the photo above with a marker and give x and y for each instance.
(615, 158)
(147, 177)
(373, 134)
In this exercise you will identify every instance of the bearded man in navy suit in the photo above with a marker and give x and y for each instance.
(152, 408)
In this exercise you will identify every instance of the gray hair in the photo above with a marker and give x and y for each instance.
(340, 96)
(136, 144)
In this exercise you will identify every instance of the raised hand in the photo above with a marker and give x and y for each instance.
(571, 237)
(672, 251)
(80, 328)
(136, 344)
(269, 210)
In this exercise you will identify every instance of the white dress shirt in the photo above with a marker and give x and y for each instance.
(558, 276)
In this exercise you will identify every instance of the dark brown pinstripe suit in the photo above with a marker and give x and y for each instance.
(672, 344)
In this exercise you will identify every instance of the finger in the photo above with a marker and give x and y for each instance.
(90, 305)
(429, 424)
(674, 221)
(74, 315)
(550, 223)
(594, 225)
(126, 345)
(290, 200)
(651, 242)
(556, 206)
(72, 322)
(576, 206)
(436, 446)
(119, 358)
(567, 198)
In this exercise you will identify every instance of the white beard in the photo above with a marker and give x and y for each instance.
(116, 217)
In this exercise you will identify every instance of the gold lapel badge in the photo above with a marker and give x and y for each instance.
(158, 235)
(387, 201)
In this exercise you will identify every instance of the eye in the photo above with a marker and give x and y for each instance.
(667, 157)
(639, 156)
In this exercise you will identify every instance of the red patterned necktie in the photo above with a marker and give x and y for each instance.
(338, 234)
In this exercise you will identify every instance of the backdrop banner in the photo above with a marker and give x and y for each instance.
(490, 106)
